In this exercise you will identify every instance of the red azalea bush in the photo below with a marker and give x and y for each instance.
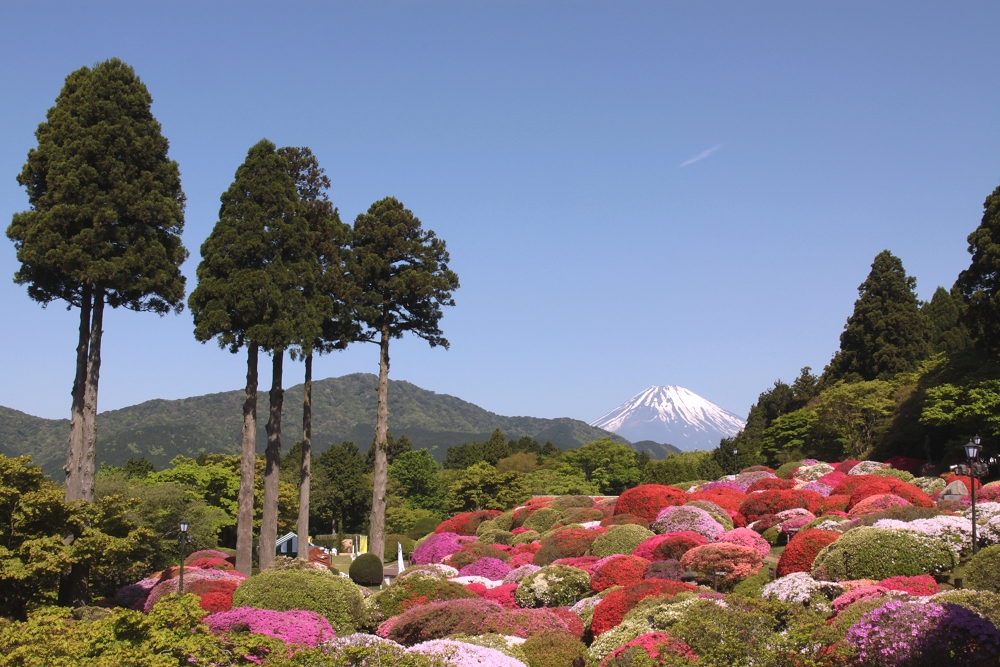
(610, 611)
(832, 479)
(622, 519)
(738, 562)
(646, 501)
(911, 466)
(567, 543)
(617, 570)
(437, 620)
(764, 522)
(664, 569)
(573, 622)
(215, 595)
(522, 622)
(845, 466)
(526, 548)
(872, 485)
(204, 553)
(877, 503)
(466, 523)
(777, 500)
(746, 538)
(771, 483)
(922, 584)
(845, 600)
(655, 645)
(212, 564)
(801, 551)
(524, 558)
(477, 588)
(519, 530)
(585, 563)
(669, 545)
(502, 595)
(835, 503)
(988, 494)
(727, 499)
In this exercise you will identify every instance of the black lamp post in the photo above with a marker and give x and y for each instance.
(184, 539)
(972, 454)
(736, 463)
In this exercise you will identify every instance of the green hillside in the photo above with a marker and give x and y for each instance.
(343, 409)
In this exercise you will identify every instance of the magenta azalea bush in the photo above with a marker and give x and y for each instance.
(519, 573)
(437, 547)
(296, 627)
(678, 518)
(191, 574)
(746, 538)
(493, 569)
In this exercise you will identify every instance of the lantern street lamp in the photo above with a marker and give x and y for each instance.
(184, 539)
(972, 454)
(736, 463)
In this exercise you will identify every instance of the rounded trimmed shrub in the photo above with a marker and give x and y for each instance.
(623, 519)
(470, 553)
(983, 572)
(652, 648)
(610, 611)
(880, 553)
(647, 500)
(552, 586)
(493, 569)
(412, 591)
(919, 585)
(585, 563)
(880, 502)
(503, 537)
(771, 483)
(688, 518)
(525, 537)
(727, 499)
(619, 540)
(746, 538)
(391, 549)
(523, 622)
(670, 546)
(436, 547)
(617, 571)
(785, 470)
(802, 549)
(541, 520)
(466, 523)
(567, 543)
(581, 515)
(664, 569)
(437, 620)
(774, 501)
(366, 570)
(736, 561)
(566, 502)
(337, 599)
(717, 513)
(553, 648)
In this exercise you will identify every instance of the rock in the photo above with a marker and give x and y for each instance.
(955, 491)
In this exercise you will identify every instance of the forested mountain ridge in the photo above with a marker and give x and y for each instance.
(343, 409)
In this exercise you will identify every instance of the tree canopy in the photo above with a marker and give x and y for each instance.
(980, 283)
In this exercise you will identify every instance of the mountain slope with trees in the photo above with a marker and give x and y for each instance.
(343, 409)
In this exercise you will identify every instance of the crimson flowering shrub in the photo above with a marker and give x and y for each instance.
(769, 483)
(738, 562)
(726, 498)
(211, 563)
(214, 595)
(610, 611)
(191, 575)
(296, 627)
(832, 478)
(655, 645)
(503, 595)
(919, 585)
(801, 551)
(745, 479)
(567, 543)
(880, 502)
(835, 503)
(647, 500)
(859, 594)
(723, 484)
(204, 553)
(523, 622)
(573, 622)
(845, 466)
(466, 523)
(491, 568)
(623, 519)
(436, 547)
(669, 545)
(664, 569)
(476, 588)
(859, 487)
(519, 530)
(906, 463)
(526, 548)
(437, 620)
(521, 559)
(934, 635)
(777, 500)
(617, 571)
(585, 563)
(746, 538)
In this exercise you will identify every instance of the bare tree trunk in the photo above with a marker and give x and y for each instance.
(272, 457)
(376, 529)
(248, 461)
(74, 454)
(89, 459)
(305, 475)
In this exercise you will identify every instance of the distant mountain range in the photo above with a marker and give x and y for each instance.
(671, 414)
(343, 409)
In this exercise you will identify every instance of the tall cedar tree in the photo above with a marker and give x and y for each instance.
(104, 227)
(944, 311)
(980, 283)
(887, 334)
(249, 294)
(328, 298)
(404, 281)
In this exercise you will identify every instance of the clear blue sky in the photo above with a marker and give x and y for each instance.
(555, 147)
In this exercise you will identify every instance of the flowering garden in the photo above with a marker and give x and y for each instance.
(850, 563)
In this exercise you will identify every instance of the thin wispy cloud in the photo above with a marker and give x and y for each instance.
(702, 155)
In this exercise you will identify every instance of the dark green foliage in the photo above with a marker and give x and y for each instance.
(980, 283)
(887, 334)
(366, 570)
(496, 448)
(554, 649)
(423, 527)
(945, 312)
(417, 474)
(133, 469)
(393, 448)
(107, 208)
(391, 549)
(779, 400)
(336, 598)
(684, 467)
(609, 464)
(340, 489)
(983, 572)
(567, 502)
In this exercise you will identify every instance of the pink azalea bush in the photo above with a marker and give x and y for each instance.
(922, 584)
(746, 538)
(296, 627)
(519, 573)
(191, 575)
(687, 518)
(461, 654)
(491, 568)
(843, 601)
(437, 547)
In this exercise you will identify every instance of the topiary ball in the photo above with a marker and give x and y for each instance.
(554, 648)
(880, 553)
(983, 573)
(335, 598)
(619, 540)
(366, 570)
(552, 586)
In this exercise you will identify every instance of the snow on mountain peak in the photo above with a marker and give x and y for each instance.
(674, 415)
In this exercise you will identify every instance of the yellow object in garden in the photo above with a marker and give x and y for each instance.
(364, 545)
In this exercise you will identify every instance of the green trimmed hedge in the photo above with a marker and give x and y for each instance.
(619, 540)
(880, 553)
(366, 570)
(552, 586)
(337, 599)
(983, 572)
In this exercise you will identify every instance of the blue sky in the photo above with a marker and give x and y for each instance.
(632, 193)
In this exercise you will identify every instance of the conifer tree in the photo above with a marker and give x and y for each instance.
(980, 283)
(402, 274)
(944, 312)
(327, 297)
(248, 295)
(887, 334)
(104, 224)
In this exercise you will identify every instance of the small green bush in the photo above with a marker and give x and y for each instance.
(580, 515)
(566, 502)
(366, 570)
(541, 520)
(619, 540)
(753, 586)
(389, 601)
(525, 537)
(487, 525)
(337, 599)
(423, 527)
(786, 469)
(880, 553)
(555, 648)
(984, 603)
(505, 521)
(983, 572)
(552, 586)
(892, 472)
(497, 537)
(771, 535)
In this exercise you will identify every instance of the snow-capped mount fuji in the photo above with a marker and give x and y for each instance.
(673, 415)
